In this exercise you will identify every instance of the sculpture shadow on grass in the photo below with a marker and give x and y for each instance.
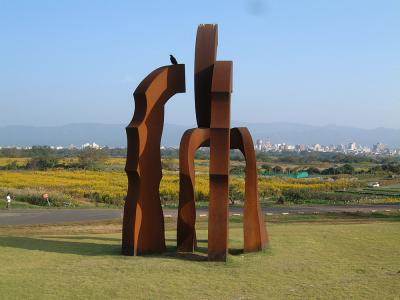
(79, 237)
(200, 251)
(69, 245)
(60, 246)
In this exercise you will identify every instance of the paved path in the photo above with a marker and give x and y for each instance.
(53, 216)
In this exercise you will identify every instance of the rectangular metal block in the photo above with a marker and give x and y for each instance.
(222, 77)
(219, 151)
(176, 78)
(221, 110)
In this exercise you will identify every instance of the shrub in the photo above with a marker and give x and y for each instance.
(42, 163)
(90, 158)
(34, 197)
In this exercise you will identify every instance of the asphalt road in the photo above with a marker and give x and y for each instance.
(54, 216)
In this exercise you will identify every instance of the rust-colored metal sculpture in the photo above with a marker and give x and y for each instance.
(213, 87)
(143, 224)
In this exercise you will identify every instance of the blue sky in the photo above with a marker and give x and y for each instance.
(316, 62)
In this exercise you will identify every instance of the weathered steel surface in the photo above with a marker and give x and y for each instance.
(213, 88)
(143, 222)
(191, 141)
(218, 218)
(205, 56)
(255, 233)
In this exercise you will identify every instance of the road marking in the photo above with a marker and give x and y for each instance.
(285, 213)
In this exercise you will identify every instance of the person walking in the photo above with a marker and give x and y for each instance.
(8, 200)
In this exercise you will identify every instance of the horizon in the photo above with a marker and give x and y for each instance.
(194, 125)
(114, 135)
(309, 62)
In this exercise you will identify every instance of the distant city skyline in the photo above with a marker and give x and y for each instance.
(308, 62)
(114, 134)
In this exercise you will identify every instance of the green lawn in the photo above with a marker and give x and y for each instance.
(305, 261)
(18, 204)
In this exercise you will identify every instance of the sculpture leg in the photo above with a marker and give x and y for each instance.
(143, 223)
(218, 215)
(218, 208)
(192, 140)
(129, 231)
(255, 233)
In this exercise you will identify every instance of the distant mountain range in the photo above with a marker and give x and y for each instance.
(114, 135)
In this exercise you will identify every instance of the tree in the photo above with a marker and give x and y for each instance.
(42, 163)
(169, 164)
(90, 158)
(43, 158)
(345, 169)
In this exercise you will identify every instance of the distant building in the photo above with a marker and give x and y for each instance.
(93, 146)
(379, 148)
(300, 147)
(259, 145)
(352, 146)
(317, 147)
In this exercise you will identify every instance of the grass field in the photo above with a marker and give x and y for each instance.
(324, 260)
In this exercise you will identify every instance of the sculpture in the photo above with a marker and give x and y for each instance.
(143, 227)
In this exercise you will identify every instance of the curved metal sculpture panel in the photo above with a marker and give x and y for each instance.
(255, 233)
(192, 140)
(143, 223)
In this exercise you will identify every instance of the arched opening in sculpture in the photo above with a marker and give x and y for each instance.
(255, 234)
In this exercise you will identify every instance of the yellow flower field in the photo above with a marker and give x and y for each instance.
(110, 187)
(21, 161)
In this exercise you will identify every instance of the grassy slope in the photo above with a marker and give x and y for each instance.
(17, 204)
(304, 261)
